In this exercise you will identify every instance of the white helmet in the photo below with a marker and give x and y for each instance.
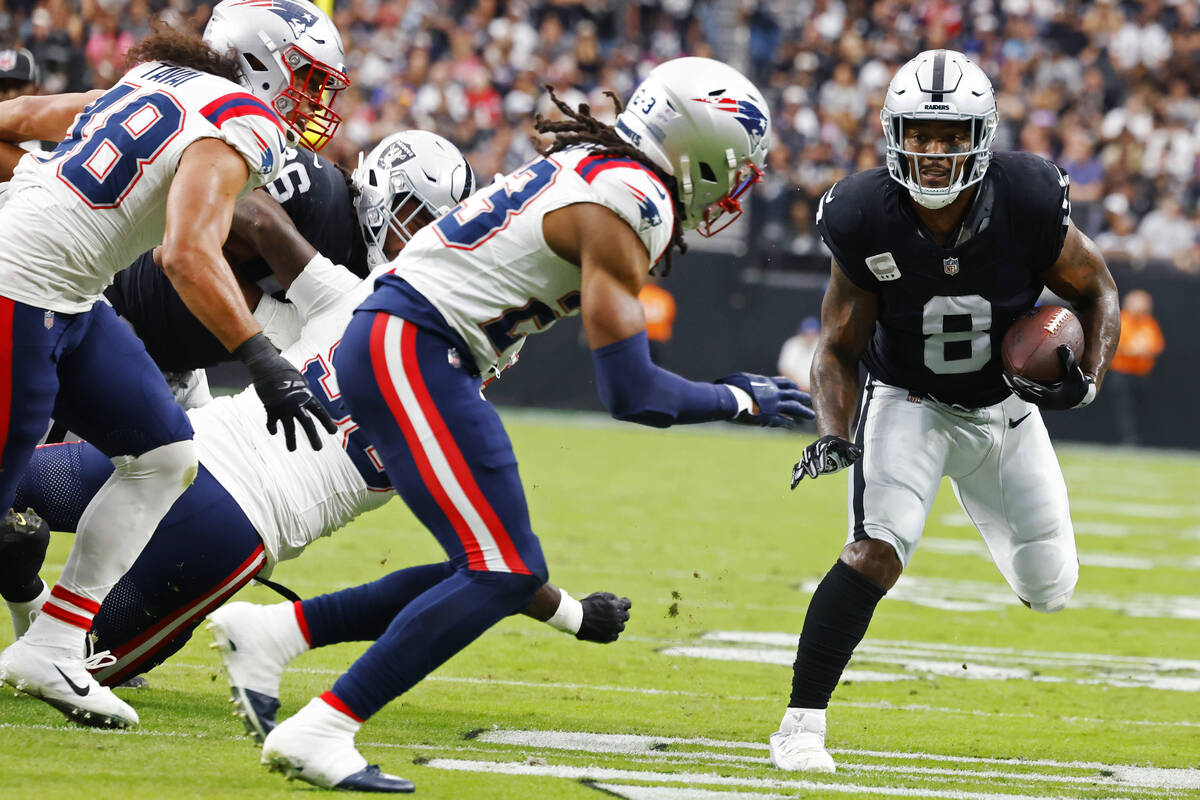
(290, 56)
(704, 123)
(409, 165)
(940, 85)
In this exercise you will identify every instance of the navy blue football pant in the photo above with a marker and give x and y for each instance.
(447, 454)
(203, 551)
(90, 372)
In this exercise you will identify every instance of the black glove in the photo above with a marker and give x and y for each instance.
(604, 617)
(283, 391)
(780, 402)
(1075, 390)
(825, 456)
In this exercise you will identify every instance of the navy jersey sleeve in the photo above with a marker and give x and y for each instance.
(1040, 196)
(839, 221)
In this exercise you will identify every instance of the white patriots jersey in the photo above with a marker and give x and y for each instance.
(486, 267)
(80, 214)
(294, 498)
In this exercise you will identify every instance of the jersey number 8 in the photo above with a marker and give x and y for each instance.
(958, 333)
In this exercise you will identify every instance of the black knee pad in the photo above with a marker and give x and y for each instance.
(23, 542)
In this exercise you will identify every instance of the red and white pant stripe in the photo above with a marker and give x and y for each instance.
(443, 469)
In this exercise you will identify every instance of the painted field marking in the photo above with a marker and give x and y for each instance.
(919, 659)
(1102, 774)
(962, 595)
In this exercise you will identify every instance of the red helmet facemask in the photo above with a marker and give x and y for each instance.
(306, 105)
(729, 208)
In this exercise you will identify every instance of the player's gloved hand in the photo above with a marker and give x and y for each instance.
(773, 402)
(604, 617)
(1075, 390)
(825, 456)
(283, 391)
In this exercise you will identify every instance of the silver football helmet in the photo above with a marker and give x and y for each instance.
(291, 58)
(940, 85)
(707, 125)
(407, 166)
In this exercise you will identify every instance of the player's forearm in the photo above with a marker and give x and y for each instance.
(41, 117)
(262, 222)
(835, 390)
(1101, 320)
(207, 287)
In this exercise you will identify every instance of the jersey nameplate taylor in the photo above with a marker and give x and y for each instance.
(883, 266)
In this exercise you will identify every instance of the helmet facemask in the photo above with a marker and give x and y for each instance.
(728, 209)
(406, 214)
(966, 166)
(306, 104)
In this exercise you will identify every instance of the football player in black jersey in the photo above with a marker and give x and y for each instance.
(935, 255)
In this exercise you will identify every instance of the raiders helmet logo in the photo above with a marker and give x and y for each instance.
(950, 266)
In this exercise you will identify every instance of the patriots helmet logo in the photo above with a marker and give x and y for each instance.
(747, 114)
(298, 18)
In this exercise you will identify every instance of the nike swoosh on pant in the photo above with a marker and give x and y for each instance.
(1012, 423)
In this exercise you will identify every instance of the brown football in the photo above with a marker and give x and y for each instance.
(1030, 344)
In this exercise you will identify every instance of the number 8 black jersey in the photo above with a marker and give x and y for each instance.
(943, 310)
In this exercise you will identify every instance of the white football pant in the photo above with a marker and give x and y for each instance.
(1004, 472)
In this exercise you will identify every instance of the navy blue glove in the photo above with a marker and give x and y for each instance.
(1075, 390)
(778, 402)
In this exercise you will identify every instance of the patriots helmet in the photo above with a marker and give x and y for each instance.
(940, 85)
(704, 123)
(290, 56)
(407, 173)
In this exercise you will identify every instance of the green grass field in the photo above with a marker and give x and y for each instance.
(957, 692)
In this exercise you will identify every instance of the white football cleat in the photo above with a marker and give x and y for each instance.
(799, 744)
(60, 677)
(316, 745)
(256, 643)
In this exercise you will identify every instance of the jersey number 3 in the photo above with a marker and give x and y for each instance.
(958, 333)
(103, 165)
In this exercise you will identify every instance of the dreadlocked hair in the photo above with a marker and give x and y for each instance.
(581, 128)
(183, 50)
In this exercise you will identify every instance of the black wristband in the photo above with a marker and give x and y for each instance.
(256, 351)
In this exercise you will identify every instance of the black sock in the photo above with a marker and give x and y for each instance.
(22, 552)
(837, 620)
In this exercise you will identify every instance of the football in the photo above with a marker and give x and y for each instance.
(1030, 344)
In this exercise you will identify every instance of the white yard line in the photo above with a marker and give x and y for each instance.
(637, 744)
(596, 774)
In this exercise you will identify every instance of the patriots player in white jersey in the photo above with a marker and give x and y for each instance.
(254, 504)
(575, 231)
(162, 156)
(934, 256)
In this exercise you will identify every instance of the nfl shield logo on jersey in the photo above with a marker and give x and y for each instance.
(950, 265)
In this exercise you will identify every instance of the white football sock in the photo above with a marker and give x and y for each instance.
(24, 613)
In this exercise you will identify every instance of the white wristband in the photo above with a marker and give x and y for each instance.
(569, 616)
(745, 403)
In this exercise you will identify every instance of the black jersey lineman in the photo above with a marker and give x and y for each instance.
(317, 198)
(943, 310)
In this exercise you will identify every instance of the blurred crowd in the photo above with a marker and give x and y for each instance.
(1110, 90)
